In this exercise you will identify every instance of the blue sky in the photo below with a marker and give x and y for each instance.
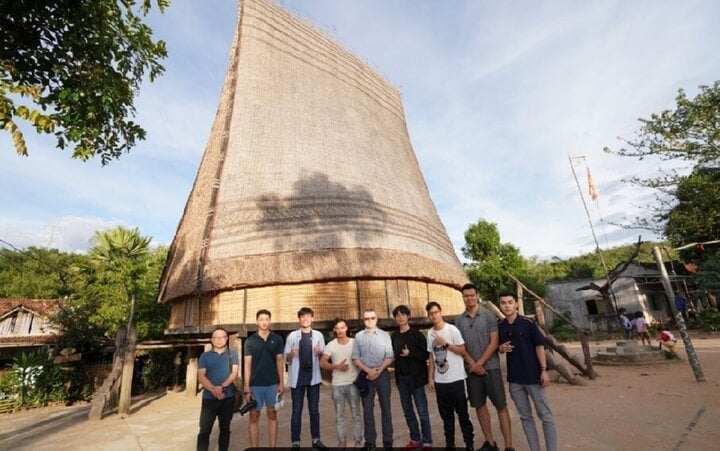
(496, 95)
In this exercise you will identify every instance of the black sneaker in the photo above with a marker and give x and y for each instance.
(295, 446)
(317, 444)
(369, 447)
(488, 447)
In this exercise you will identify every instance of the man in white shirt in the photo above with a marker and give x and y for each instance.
(337, 357)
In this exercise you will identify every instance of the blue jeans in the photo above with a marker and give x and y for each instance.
(313, 397)
(381, 386)
(222, 409)
(521, 395)
(342, 394)
(407, 394)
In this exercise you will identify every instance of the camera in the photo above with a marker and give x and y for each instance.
(247, 407)
(307, 366)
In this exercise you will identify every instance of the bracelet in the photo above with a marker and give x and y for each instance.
(543, 368)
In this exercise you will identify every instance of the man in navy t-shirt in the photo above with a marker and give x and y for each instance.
(524, 346)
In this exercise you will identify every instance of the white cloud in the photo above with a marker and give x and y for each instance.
(497, 95)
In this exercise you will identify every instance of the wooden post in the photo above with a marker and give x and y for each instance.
(563, 351)
(562, 371)
(689, 348)
(521, 300)
(105, 392)
(584, 341)
(540, 316)
(191, 380)
(127, 374)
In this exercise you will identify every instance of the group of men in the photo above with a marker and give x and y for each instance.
(458, 362)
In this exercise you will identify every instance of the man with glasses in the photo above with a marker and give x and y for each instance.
(446, 376)
(264, 371)
(217, 370)
(303, 350)
(373, 354)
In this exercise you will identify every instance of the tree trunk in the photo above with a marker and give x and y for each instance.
(104, 393)
(584, 341)
(563, 351)
(562, 370)
(127, 374)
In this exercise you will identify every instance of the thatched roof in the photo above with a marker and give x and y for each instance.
(308, 175)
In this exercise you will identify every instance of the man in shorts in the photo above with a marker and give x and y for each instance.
(263, 375)
(479, 329)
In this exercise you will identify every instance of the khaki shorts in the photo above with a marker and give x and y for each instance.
(491, 386)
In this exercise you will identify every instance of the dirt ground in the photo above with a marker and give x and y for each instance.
(658, 407)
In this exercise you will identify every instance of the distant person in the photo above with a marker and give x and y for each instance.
(446, 376)
(681, 305)
(524, 347)
(625, 322)
(411, 376)
(479, 329)
(264, 372)
(373, 354)
(303, 350)
(667, 341)
(217, 371)
(642, 328)
(337, 358)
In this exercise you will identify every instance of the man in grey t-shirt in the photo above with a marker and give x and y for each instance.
(479, 329)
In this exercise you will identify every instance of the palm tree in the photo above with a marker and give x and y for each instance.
(122, 251)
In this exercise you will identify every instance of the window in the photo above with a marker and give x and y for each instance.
(591, 306)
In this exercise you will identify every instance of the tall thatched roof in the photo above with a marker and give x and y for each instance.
(308, 175)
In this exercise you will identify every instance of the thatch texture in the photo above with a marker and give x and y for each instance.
(308, 179)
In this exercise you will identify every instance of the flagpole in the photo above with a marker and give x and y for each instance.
(592, 230)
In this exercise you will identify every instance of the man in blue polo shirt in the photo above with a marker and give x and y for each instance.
(524, 347)
(217, 371)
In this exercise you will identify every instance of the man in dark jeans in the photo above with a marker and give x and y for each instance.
(217, 371)
(411, 355)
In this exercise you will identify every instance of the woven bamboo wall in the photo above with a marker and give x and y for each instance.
(308, 181)
(329, 300)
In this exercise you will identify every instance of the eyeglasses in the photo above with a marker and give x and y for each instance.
(370, 318)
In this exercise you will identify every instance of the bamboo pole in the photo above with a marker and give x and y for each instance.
(562, 370)
(689, 349)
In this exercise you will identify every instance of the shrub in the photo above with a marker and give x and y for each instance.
(710, 320)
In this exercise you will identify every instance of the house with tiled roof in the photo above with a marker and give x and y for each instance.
(25, 325)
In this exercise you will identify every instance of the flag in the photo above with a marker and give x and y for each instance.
(591, 186)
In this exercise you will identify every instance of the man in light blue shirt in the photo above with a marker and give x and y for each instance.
(373, 354)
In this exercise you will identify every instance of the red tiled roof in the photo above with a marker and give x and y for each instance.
(43, 307)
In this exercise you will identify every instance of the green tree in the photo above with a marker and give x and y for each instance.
(688, 133)
(696, 216)
(122, 281)
(73, 68)
(490, 259)
(39, 273)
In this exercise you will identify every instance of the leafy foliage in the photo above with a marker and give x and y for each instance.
(35, 380)
(38, 273)
(73, 68)
(123, 267)
(685, 208)
(696, 217)
(490, 259)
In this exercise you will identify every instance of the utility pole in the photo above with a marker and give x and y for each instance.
(692, 355)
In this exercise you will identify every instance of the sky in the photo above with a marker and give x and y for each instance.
(497, 97)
